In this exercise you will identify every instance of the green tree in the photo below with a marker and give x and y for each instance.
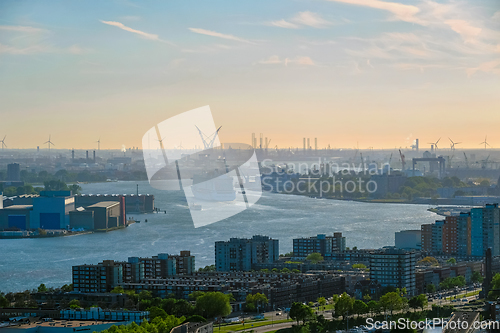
(300, 312)
(359, 266)
(451, 261)
(118, 290)
(344, 305)
(359, 307)
(4, 302)
(391, 301)
(477, 277)
(256, 301)
(213, 304)
(42, 288)
(373, 307)
(431, 288)
(155, 311)
(315, 258)
(74, 304)
(322, 302)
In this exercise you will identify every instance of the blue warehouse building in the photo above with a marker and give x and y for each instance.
(51, 210)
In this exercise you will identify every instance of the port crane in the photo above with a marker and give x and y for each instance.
(403, 161)
(208, 141)
(466, 160)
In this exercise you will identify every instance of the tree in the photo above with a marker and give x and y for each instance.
(118, 290)
(256, 301)
(4, 302)
(321, 301)
(429, 261)
(315, 257)
(359, 266)
(213, 304)
(344, 305)
(300, 312)
(451, 261)
(477, 277)
(359, 307)
(391, 301)
(42, 288)
(155, 311)
(74, 304)
(373, 307)
(431, 288)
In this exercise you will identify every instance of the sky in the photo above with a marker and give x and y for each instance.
(365, 73)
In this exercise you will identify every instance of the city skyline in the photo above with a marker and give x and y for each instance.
(365, 73)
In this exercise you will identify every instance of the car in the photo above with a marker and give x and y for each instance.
(278, 313)
(465, 300)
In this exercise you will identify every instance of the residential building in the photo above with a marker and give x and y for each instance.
(394, 267)
(99, 278)
(321, 244)
(408, 239)
(464, 234)
(238, 254)
(184, 263)
(450, 235)
(426, 243)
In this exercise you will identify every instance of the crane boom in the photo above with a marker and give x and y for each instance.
(403, 162)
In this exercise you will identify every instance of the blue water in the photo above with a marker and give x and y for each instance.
(25, 263)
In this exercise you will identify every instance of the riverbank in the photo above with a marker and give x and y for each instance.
(35, 234)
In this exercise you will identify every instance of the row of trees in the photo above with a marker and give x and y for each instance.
(50, 185)
(206, 304)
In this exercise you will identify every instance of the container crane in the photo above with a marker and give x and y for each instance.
(403, 162)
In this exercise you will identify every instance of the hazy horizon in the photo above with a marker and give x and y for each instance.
(353, 73)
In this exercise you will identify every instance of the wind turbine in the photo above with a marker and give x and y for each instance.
(453, 144)
(485, 142)
(435, 143)
(99, 144)
(3, 143)
(161, 143)
(49, 143)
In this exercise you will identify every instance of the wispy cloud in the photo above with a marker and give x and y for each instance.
(306, 18)
(41, 48)
(284, 24)
(20, 28)
(487, 67)
(276, 60)
(135, 31)
(219, 35)
(400, 11)
(310, 19)
(496, 16)
(465, 29)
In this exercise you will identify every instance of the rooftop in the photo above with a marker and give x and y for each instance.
(104, 204)
(19, 207)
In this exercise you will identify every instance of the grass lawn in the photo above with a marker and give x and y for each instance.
(248, 326)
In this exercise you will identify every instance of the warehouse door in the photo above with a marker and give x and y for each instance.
(17, 221)
(50, 221)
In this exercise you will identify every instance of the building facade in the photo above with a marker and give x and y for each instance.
(238, 254)
(394, 267)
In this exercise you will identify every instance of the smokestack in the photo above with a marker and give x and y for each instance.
(72, 155)
(308, 143)
(315, 143)
(261, 138)
(94, 156)
(304, 139)
(266, 143)
(253, 140)
(87, 155)
(416, 144)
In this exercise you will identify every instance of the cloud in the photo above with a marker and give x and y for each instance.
(140, 33)
(219, 35)
(276, 60)
(464, 29)
(20, 28)
(400, 11)
(496, 16)
(284, 24)
(486, 67)
(40, 48)
(306, 18)
(310, 19)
